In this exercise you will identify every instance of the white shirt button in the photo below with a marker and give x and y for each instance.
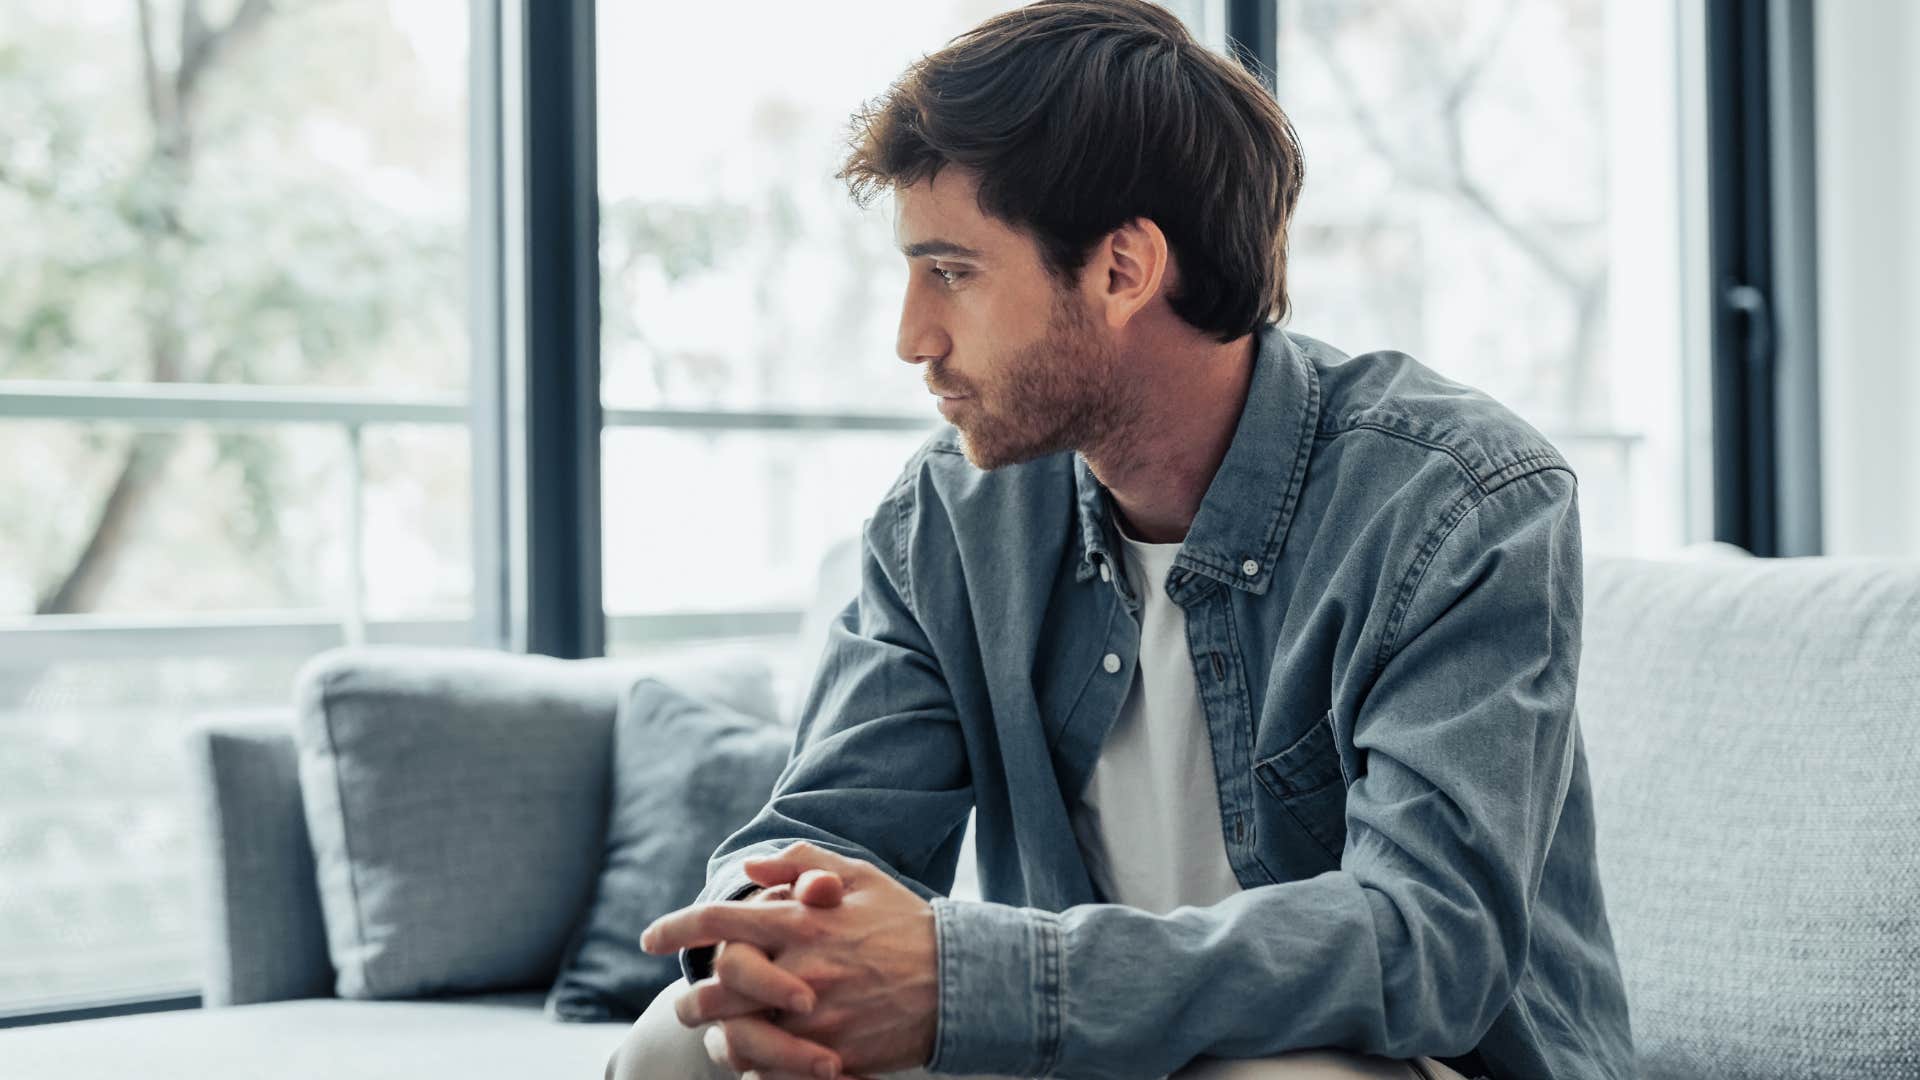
(1249, 568)
(1105, 574)
(1111, 663)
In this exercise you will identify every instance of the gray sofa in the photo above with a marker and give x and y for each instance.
(1753, 732)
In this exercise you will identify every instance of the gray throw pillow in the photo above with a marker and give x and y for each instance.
(687, 774)
(456, 800)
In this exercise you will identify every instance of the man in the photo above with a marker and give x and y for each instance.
(1255, 662)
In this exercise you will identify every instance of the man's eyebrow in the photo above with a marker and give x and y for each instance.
(939, 248)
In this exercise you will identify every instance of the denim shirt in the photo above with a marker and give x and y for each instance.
(1382, 588)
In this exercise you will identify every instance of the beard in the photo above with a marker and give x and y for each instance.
(1058, 393)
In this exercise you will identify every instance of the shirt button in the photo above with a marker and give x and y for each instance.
(1111, 663)
(1249, 568)
(1105, 574)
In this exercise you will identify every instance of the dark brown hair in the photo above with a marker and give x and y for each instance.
(1078, 116)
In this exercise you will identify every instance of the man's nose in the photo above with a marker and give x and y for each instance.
(920, 348)
(920, 338)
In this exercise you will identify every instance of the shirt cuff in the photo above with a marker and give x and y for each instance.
(1001, 970)
(697, 963)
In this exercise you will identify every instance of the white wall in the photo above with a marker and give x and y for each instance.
(1868, 134)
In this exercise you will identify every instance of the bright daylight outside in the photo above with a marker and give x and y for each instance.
(234, 344)
(268, 200)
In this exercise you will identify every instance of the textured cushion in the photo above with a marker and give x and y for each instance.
(264, 935)
(456, 801)
(1753, 729)
(492, 1037)
(687, 774)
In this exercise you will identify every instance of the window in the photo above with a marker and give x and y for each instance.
(233, 362)
(1494, 189)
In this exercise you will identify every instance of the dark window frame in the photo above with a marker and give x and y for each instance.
(1762, 251)
(122, 1006)
(1253, 37)
(537, 413)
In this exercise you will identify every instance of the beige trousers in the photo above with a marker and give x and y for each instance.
(659, 1047)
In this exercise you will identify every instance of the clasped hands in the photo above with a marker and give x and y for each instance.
(832, 971)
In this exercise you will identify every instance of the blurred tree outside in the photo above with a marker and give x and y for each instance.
(1435, 100)
(1493, 187)
(268, 193)
(253, 192)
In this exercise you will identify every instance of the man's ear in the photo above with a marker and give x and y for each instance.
(1133, 264)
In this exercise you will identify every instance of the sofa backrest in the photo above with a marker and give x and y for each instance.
(1753, 733)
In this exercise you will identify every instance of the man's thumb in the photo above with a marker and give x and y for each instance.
(819, 888)
(815, 888)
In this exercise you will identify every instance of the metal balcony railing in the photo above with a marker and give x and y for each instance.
(40, 640)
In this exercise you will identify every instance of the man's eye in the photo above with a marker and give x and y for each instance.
(951, 277)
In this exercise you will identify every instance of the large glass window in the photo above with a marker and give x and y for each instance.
(1493, 188)
(233, 360)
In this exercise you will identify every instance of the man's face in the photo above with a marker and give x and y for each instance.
(1022, 367)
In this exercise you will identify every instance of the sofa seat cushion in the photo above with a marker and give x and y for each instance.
(474, 1037)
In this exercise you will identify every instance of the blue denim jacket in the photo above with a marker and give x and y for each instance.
(1382, 588)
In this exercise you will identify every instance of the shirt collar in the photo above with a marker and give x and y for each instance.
(1242, 523)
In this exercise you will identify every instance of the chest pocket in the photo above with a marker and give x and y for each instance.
(1308, 780)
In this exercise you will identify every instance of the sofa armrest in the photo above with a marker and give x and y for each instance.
(265, 939)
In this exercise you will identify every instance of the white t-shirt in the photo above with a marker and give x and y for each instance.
(1149, 826)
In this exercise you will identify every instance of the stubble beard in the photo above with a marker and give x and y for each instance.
(1056, 394)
